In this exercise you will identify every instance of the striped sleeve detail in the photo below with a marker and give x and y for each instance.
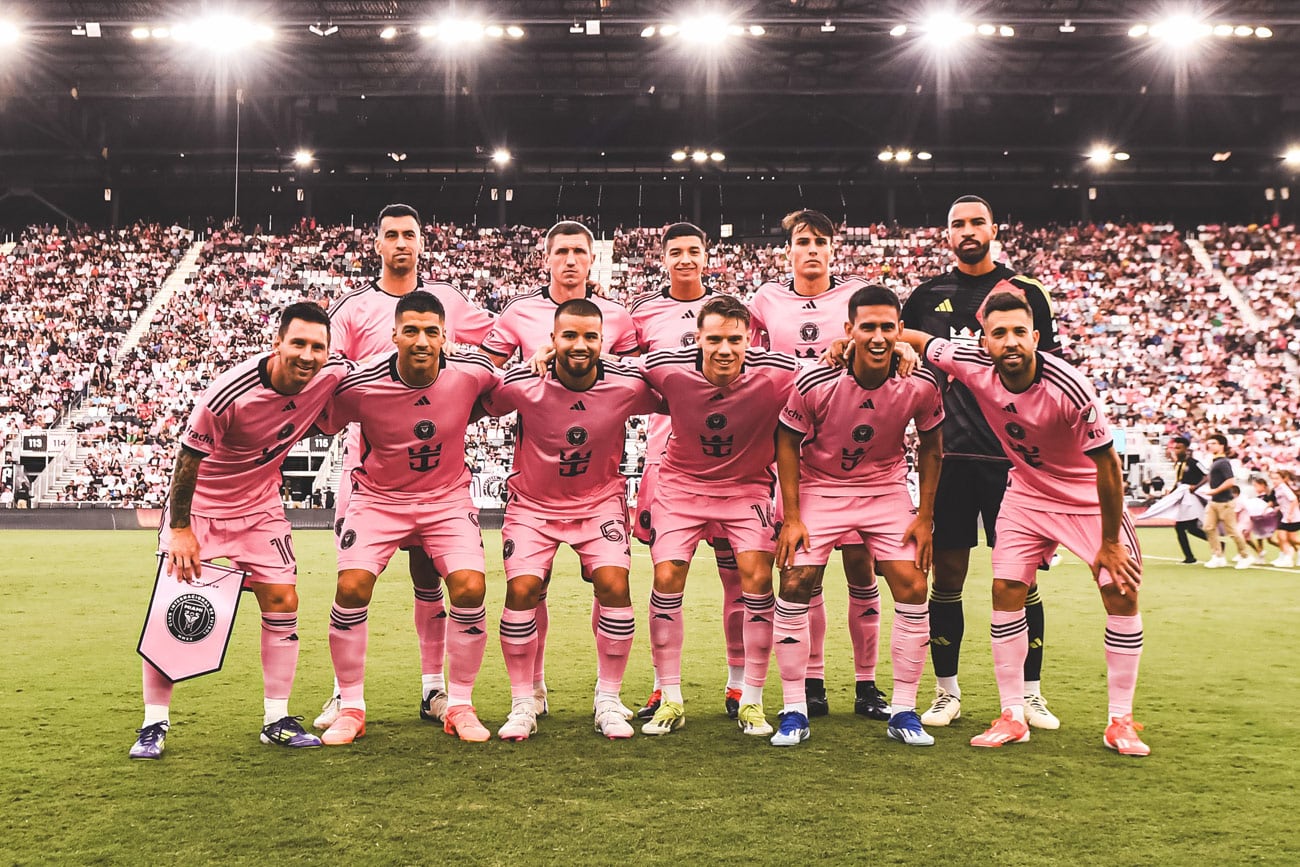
(337, 307)
(519, 374)
(1066, 379)
(671, 356)
(815, 376)
(643, 299)
(1008, 630)
(518, 298)
(772, 359)
(625, 372)
(374, 373)
(472, 359)
(966, 355)
(235, 389)
(926, 375)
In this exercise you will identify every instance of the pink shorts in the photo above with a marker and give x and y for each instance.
(849, 538)
(530, 540)
(644, 498)
(261, 544)
(879, 521)
(1023, 543)
(373, 530)
(681, 519)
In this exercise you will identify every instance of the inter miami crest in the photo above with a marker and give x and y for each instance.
(575, 436)
(349, 539)
(716, 421)
(285, 431)
(191, 618)
(863, 433)
(338, 527)
(1015, 431)
(809, 332)
(507, 549)
(425, 429)
(688, 339)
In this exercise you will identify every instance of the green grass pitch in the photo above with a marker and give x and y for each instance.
(1217, 693)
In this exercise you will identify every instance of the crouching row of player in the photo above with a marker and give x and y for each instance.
(839, 436)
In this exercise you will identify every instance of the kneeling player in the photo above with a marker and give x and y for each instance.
(411, 488)
(1065, 488)
(714, 482)
(840, 458)
(224, 502)
(566, 488)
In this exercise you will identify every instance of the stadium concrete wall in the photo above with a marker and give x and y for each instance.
(148, 519)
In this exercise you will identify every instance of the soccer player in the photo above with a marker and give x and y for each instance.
(841, 461)
(362, 327)
(525, 325)
(1065, 487)
(666, 319)
(566, 488)
(802, 316)
(411, 487)
(1222, 508)
(224, 502)
(715, 480)
(974, 465)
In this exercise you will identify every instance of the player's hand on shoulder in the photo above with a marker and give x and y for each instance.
(541, 358)
(793, 535)
(837, 354)
(1123, 568)
(183, 555)
(907, 358)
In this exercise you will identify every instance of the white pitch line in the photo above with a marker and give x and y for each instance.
(1233, 567)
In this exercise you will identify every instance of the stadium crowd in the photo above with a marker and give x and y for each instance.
(1164, 347)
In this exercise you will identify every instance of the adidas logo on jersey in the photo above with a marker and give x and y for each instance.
(1011, 408)
(867, 404)
(718, 396)
(945, 306)
(580, 406)
(688, 315)
(423, 401)
(288, 406)
(811, 305)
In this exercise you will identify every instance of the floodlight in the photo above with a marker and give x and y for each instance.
(220, 33)
(1292, 156)
(514, 31)
(496, 31)
(139, 32)
(388, 32)
(456, 31)
(669, 30)
(898, 30)
(648, 31)
(700, 156)
(501, 156)
(93, 30)
(9, 34)
(717, 156)
(924, 156)
(160, 33)
(828, 27)
(1243, 30)
(1137, 31)
(1223, 30)
(1180, 31)
(709, 30)
(759, 30)
(397, 157)
(986, 30)
(1099, 155)
(944, 29)
(303, 157)
(679, 156)
(1263, 32)
(427, 31)
(1006, 31)
(903, 156)
(1121, 156)
(1221, 156)
(1067, 27)
(328, 30)
(576, 27)
(885, 156)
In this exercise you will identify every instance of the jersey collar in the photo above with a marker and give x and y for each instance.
(397, 377)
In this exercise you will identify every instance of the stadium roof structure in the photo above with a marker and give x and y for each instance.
(1155, 109)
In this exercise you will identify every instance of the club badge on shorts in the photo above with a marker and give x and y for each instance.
(188, 626)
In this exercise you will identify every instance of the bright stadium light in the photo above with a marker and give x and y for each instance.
(1263, 32)
(1137, 31)
(679, 156)
(303, 157)
(1243, 31)
(1292, 156)
(501, 156)
(9, 34)
(669, 30)
(648, 31)
(1223, 30)
(389, 32)
(943, 30)
(1180, 31)
(221, 33)
(759, 30)
(707, 30)
(700, 156)
(139, 32)
(1120, 156)
(1099, 155)
(898, 30)
(903, 156)
(1006, 31)
(456, 31)
(717, 156)
(161, 33)
(496, 31)
(986, 30)
(924, 156)
(885, 156)
(514, 31)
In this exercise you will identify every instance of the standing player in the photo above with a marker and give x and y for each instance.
(363, 327)
(525, 325)
(411, 488)
(851, 477)
(974, 466)
(666, 319)
(1065, 487)
(716, 481)
(224, 502)
(566, 488)
(802, 316)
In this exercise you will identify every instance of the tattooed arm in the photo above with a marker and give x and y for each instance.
(183, 553)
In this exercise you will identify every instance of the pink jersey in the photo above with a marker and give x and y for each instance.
(853, 436)
(570, 443)
(361, 322)
(723, 437)
(663, 322)
(527, 322)
(412, 439)
(244, 428)
(1047, 430)
(802, 325)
